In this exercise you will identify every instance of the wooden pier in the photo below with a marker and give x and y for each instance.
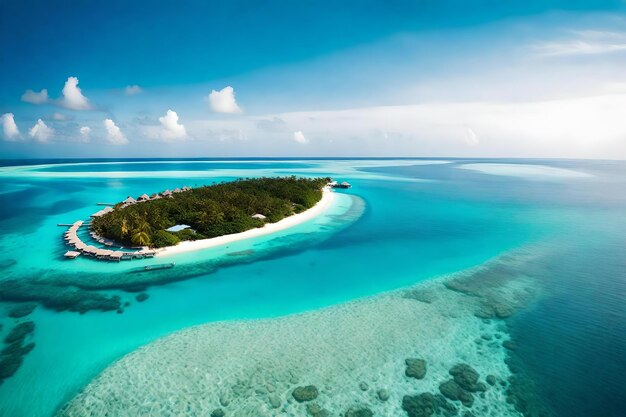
(72, 239)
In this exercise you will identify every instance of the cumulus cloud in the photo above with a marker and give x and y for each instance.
(73, 97)
(171, 128)
(299, 137)
(40, 131)
(9, 128)
(470, 137)
(132, 90)
(33, 97)
(223, 101)
(85, 131)
(114, 134)
(59, 116)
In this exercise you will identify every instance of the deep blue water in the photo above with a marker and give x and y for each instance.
(419, 221)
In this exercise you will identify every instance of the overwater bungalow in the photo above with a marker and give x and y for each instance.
(72, 254)
(344, 184)
(102, 212)
(116, 255)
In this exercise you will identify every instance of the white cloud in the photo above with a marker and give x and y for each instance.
(114, 134)
(85, 131)
(35, 98)
(9, 128)
(171, 128)
(132, 90)
(73, 97)
(470, 137)
(299, 137)
(572, 127)
(40, 131)
(587, 42)
(59, 116)
(223, 101)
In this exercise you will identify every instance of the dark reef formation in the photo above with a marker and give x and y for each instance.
(501, 286)
(427, 404)
(12, 355)
(22, 310)
(306, 393)
(56, 297)
(463, 385)
(415, 368)
(141, 297)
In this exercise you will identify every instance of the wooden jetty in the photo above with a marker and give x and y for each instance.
(109, 253)
(72, 239)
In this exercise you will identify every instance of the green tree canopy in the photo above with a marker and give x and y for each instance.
(211, 211)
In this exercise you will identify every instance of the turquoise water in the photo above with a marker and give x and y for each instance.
(404, 221)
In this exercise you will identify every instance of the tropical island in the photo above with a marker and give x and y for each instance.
(208, 212)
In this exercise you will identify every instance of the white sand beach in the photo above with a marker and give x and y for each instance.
(188, 246)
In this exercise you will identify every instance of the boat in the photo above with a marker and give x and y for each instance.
(159, 266)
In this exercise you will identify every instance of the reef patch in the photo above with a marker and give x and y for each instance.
(424, 358)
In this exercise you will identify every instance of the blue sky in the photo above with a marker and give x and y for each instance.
(284, 78)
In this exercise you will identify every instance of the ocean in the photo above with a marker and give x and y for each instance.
(405, 223)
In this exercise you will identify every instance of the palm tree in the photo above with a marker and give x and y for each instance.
(144, 226)
(123, 228)
(140, 238)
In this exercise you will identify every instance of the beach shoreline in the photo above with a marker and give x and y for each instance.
(293, 220)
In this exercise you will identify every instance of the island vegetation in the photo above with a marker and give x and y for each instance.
(210, 211)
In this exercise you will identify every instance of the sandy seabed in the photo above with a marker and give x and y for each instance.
(353, 353)
(293, 220)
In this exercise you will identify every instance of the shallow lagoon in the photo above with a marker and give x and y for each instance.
(404, 222)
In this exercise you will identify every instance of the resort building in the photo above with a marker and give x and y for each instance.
(143, 197)
(259, 216)
(72, 239)
(102, 212)
(177, 228)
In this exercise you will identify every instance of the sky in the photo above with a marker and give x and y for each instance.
(420, 78)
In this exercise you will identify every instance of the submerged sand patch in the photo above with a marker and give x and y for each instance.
(354, 355)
